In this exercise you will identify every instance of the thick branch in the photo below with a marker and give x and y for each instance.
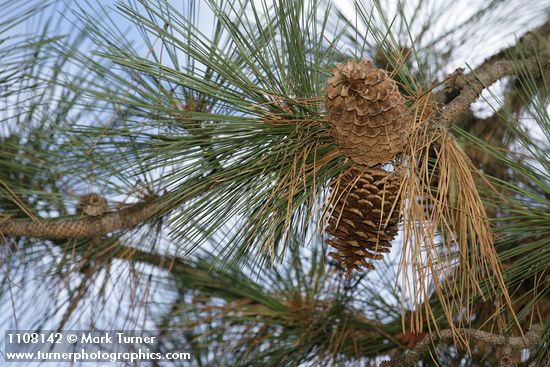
(475, 82)
(84, 227)
(87, 227)
(534, 45)
(411, 357)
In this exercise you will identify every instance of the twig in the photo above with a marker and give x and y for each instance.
(411, 357)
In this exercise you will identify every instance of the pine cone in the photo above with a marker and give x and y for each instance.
(364, 198)
(366, 113)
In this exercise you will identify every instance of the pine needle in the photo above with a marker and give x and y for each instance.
(448, 242)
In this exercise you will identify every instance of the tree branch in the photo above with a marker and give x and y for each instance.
(475, 82)
(411, 357)
(534, 45)
(84, 227)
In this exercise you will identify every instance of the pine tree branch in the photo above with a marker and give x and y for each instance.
(530, 341)
(84, 227)
(169, 263)
(93, 227)
(534, 45)
(482, 77)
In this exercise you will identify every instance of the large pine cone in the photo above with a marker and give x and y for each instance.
(366, 113)
(364, 200)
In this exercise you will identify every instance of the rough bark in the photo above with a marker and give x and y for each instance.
(534, 46)
(83, 227)
(530, 341)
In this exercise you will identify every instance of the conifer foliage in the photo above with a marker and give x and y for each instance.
(291, 183)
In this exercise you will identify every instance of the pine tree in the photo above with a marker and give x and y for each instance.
(299, 187)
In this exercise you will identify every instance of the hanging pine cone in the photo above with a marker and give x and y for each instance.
(364, 200)
(367, 115)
